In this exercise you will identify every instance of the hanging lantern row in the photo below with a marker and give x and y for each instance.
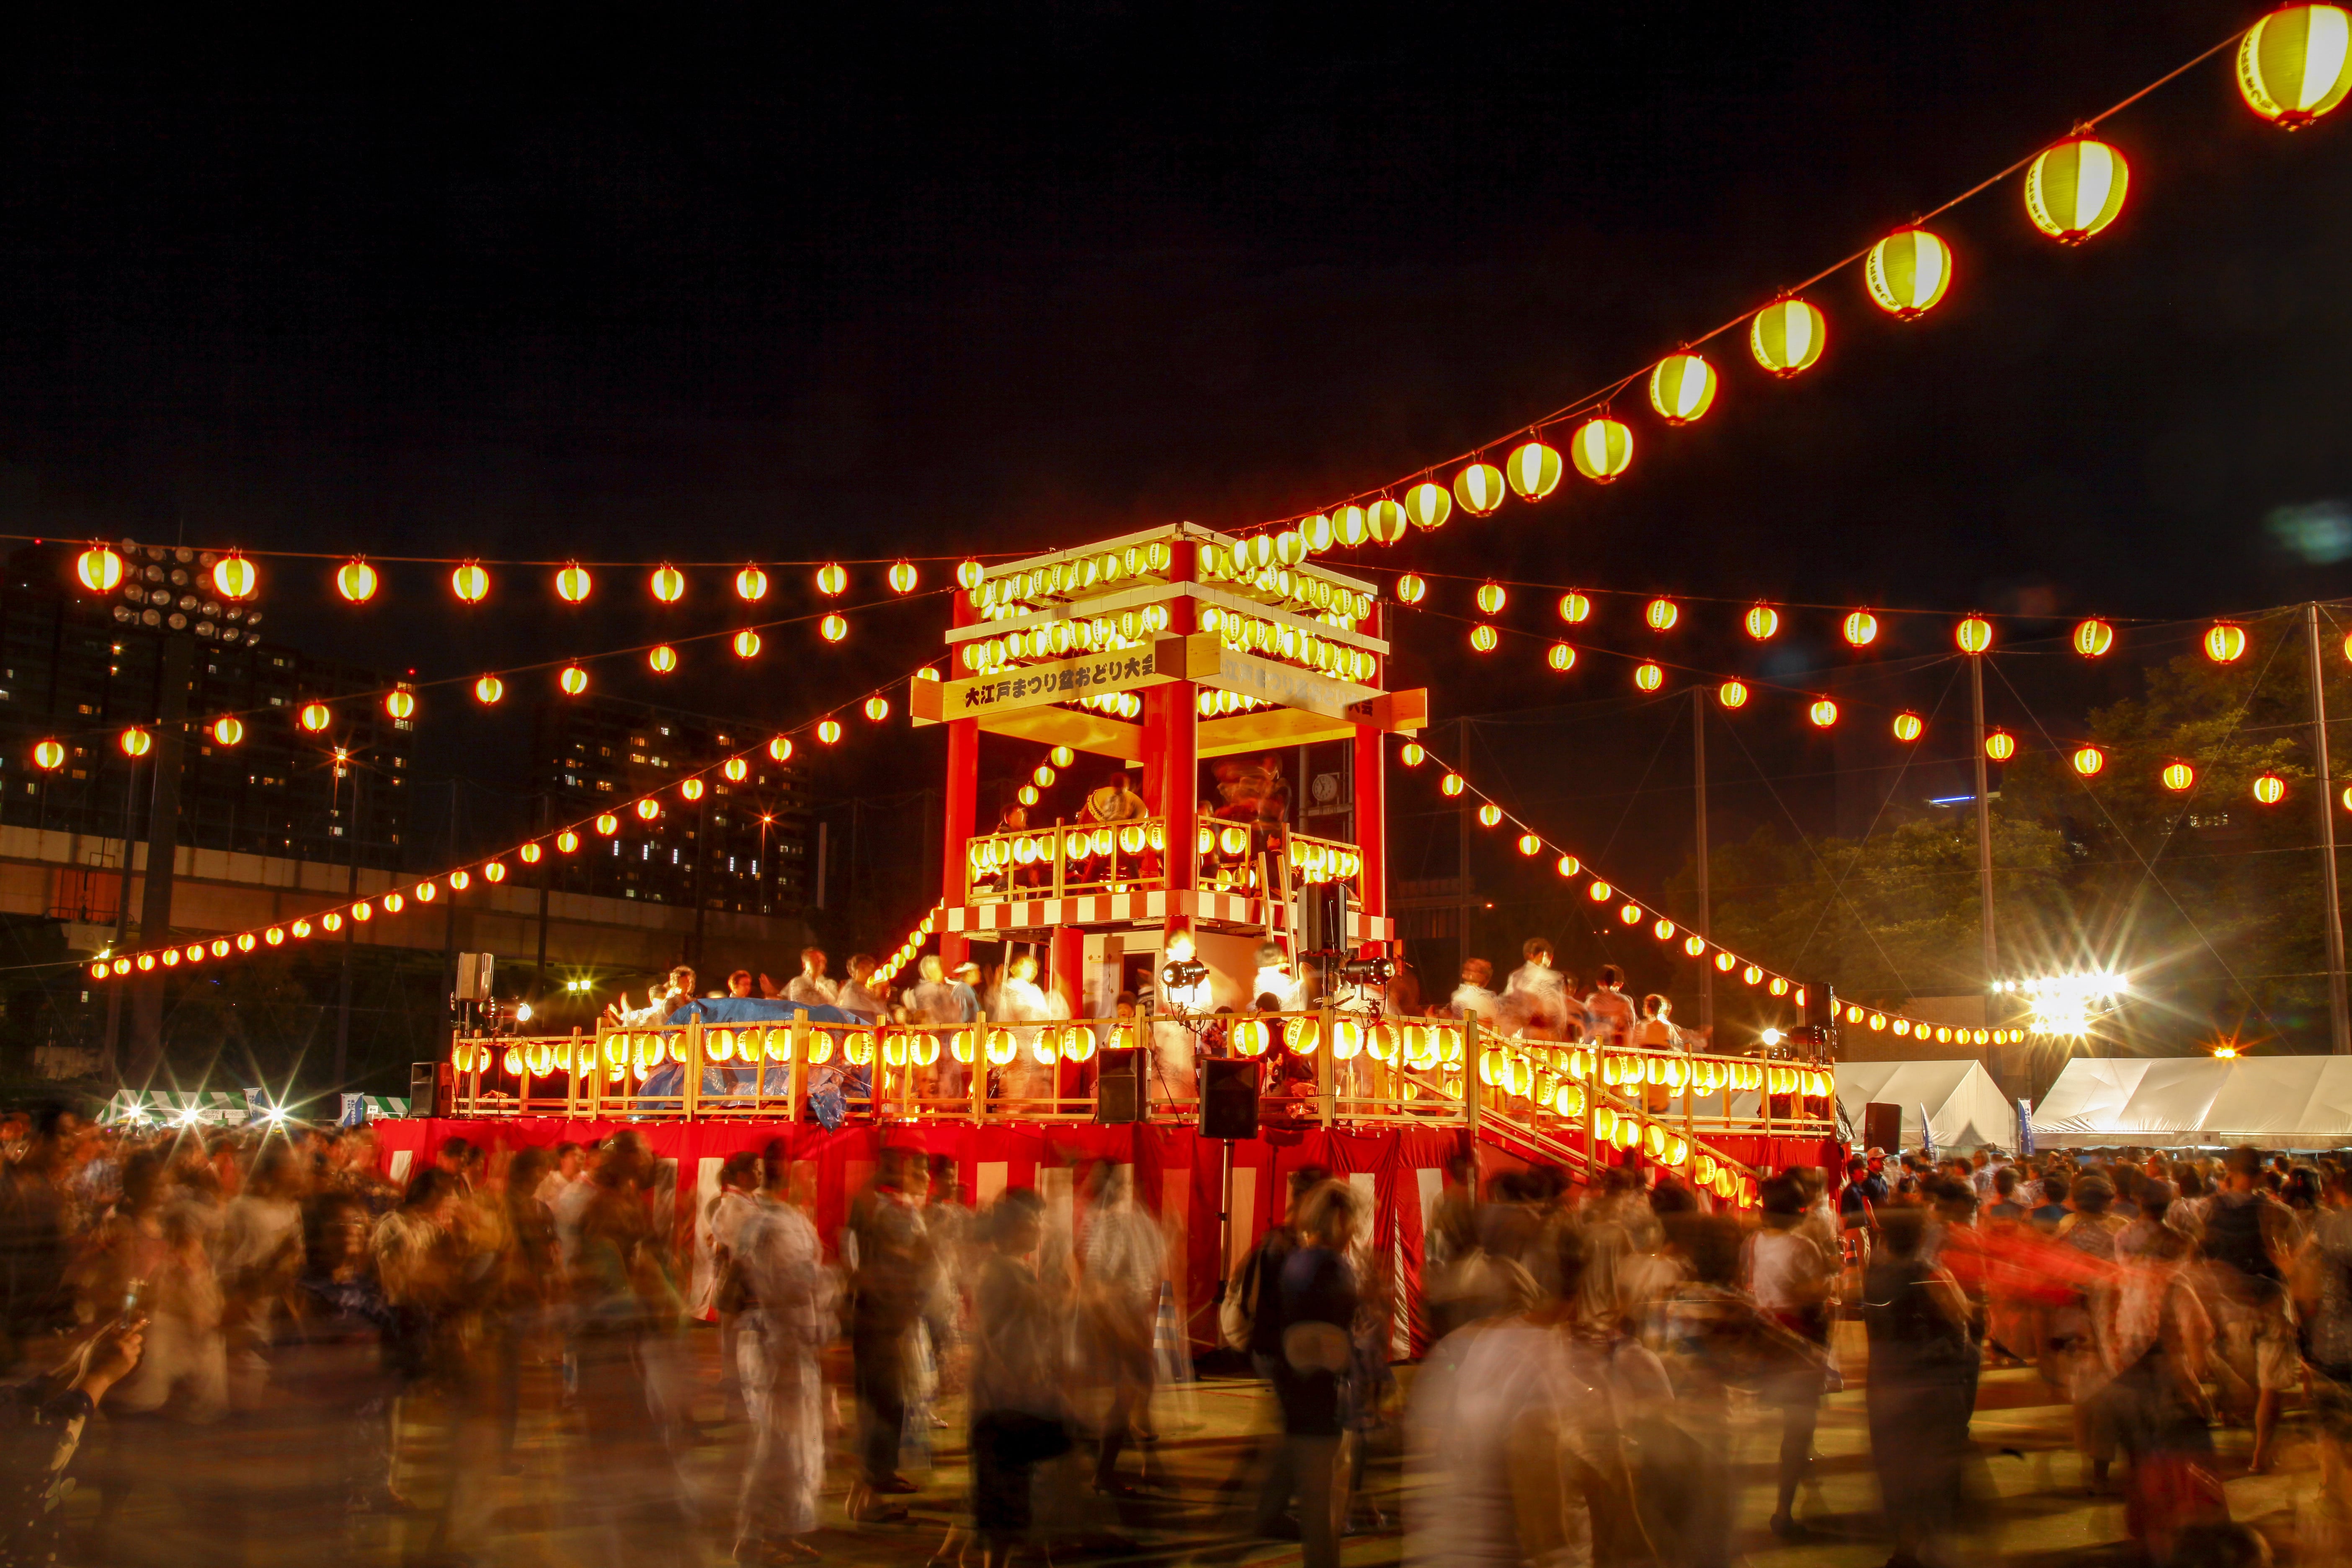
(2292, 66)
(907, 951)
(227, 731)
(1632, 912)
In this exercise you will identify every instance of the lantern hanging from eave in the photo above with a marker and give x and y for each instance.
(1601, 448)
(2293, 65)
(1532, 470)
(1907, 273)
(1787, 336)
(1428, 505)
(1681, 388)
(1478, 489)
(2075, 189)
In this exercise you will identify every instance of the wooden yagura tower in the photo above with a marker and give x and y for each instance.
(1154, 652)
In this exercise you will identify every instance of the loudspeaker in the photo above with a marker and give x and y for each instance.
(1229, 1087)
(432, 1088)
(1119, 1093)
(1882, 1127)
(1822, 1013)
(1323, 917)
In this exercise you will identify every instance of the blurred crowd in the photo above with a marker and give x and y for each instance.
(1597, 1351)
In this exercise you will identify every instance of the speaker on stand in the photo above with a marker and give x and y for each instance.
(1229, 1087)
(1120, 1096)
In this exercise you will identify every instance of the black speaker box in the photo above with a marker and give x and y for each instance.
(432, 1088)
(1119, 1093)
(1882, 1127)
(1229, 1087)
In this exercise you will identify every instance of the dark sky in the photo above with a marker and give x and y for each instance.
(798, 281)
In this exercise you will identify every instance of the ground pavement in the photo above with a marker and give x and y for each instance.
(210, 1500)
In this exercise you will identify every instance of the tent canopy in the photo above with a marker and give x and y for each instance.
(2271, 1103)
(1964, 1107)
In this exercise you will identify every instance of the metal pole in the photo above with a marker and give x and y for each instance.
(1461, 858)
(2339, 1016)
(111, 1066)
(351, 931)
(1705, 904)
(1984, 828)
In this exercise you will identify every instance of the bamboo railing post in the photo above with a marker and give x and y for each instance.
(796, 1080)
(1469, 1071)
(979, 1068)
(1327, 1065)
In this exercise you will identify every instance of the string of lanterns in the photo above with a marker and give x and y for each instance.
(910, 949)
(1636, 914)
(490, 871)
(2292, 66)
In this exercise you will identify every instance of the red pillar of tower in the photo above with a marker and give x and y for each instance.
(1171, 766)
(962, 802)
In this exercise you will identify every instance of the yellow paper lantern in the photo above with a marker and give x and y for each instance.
(1478, 488)
(572, 679)
(1428, 504)
(1601, 448)
(1561, 657)
(573, 584)
(1661, 615)
(1532, 470)
(1761, 622)
(1973, 635)
(607, 824)
(1907, 273)
(1732, 694)
(831, 580)
(2094, 638)
(229, 730)
(2269, 789)
(1909, 726)
(2089, 759)
(877, 708)
(1411, 589)
(1482, 638)
(470, 583)
(99, 569)
(780, 749)
(662, 660)
(750, 584)
(488, 690)
(2075, 188)
(1385, 520)
(1575, 608)
(356, 581)
(49, 755)
(833, 628)
(1823, 713)
(2001, 746)
(1530, 845)
(1490, 815)
(902, 577)
(1568, 865)
(668, 583)
(1787, 336)
(1411, 753)
(1860, 628)
(400, 704)
(234, 577)
(829, 732)
(2294, 65)
(2225, 643)
(1681, 388)
(314, 717)
(1649, 677)
(1491, 598)
(746, 643)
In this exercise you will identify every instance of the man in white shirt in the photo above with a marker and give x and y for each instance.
(1473, 998)
(1535, 997)
(1273, 979)
(811, 988)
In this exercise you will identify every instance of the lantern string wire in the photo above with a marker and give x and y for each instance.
(1600, 397)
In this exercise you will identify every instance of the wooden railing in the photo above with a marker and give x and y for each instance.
(1332, 1068)
(1071, 859)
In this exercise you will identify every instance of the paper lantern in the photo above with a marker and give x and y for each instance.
(460, 879)
(1568, 865)
(1973, 635)
(1411, 753)
(1530, 845)
(99, 569)
(488, 690)
(2075, 188)
(2094, 638)
(1786, 336)
(565, 842)
(746, 643)
(234, 577)
(1860, 630)
(831, 580)
(229, 730)
(750, 584)
(1823, 713)
(572, 679)
(1411, 589)
(1681, 388)
(1761, 622)
(1660, 615)
(1601, 448)
(470, 583)
(902, 576)
(1909, 726)
(356, 581)
(136, 741)
(2225, 643)
(1532, 470)
(829, 732)
(648, 808)
(400, 705)
(1598, 892)
(361, 911)
(2293, 64)
(2269, 789)
(1428, 504)
(668, 583)
(1478, 489)
(1648, 675)
(1561, 657)
(573, 584)
(1491, 598)
(1490, 815)
(735, 769)
(2001, 746)
(1451, 786)
(49, 756)
(1482, 638)
(1315, 530)
(2088, 760)
(662, 660)
(969, 574)
(1385, 520)
(877, 708)
(833, 628)
(1043, 778)
(780, 750)
(492, 871)
(607, 824)
(1907, 273)
(1732, 694)
(1576, 609)
(1348, 526)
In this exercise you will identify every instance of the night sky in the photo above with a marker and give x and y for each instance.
(798, 282)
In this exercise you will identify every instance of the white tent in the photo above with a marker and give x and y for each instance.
(2273, 1102)
(1963, 1105)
